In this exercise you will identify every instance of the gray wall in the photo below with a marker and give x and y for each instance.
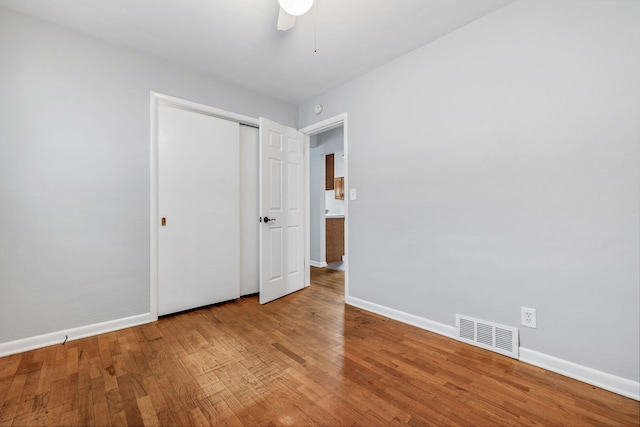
(499, 167)
(74, 172)
(329, 142)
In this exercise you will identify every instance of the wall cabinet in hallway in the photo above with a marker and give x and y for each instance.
(335, 239)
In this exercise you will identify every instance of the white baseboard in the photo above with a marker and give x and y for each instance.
(401, 316)
(52, 338)
(582, 373)
(318, 264)
(613, 383)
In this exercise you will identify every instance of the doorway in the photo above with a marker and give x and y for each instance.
(327, 199)
(328, 137)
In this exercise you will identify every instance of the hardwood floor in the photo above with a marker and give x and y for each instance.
(305, 359)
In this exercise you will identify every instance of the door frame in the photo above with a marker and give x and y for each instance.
(156, 99)
(314, 129)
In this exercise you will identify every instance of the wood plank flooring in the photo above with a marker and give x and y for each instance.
(305, 359)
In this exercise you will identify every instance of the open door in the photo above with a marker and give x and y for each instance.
(282, 228)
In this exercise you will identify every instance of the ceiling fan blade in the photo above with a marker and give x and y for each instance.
(285, 21)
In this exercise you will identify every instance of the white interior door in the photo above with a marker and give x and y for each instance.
(282, 235)
(198, 197)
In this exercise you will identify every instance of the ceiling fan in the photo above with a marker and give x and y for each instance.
(289, 9)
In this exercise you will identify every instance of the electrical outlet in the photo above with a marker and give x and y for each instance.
(529, 317)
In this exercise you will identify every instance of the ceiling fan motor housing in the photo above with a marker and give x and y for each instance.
(296, 7)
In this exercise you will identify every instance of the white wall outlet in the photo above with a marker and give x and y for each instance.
(352, 194)
(529, 317)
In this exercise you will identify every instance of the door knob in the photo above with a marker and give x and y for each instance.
(267, 219)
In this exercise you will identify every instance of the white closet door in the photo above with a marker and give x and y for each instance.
(199, 199)
(249, 211)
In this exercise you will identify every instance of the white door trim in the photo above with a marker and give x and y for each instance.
(313, 129)
(156, 99)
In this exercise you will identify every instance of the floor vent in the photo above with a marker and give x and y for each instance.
(488, 335)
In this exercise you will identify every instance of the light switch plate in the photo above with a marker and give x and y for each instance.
(352, 194)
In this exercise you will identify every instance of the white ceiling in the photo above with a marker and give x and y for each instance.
(237, 40)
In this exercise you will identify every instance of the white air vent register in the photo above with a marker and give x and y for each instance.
(488, 335)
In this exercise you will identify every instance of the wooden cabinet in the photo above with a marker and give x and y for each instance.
(339, 188)
(334, 239)
(329, 167)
